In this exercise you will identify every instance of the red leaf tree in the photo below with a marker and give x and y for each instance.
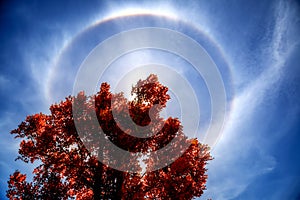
(69, 170)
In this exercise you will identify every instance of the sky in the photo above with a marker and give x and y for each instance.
(254, 45)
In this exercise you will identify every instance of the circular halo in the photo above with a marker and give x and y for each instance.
(156, 38)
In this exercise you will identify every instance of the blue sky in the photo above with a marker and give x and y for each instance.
(254, 44)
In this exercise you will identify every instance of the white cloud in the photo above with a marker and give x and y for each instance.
(239, 159)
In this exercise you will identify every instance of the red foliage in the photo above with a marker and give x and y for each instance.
(68, 170)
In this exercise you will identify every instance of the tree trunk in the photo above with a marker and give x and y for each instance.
(97, 187)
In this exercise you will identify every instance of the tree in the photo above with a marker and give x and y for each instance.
(69, 170)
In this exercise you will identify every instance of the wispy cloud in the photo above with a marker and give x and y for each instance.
(239, 159)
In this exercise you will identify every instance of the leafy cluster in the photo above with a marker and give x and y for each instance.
(69, 170)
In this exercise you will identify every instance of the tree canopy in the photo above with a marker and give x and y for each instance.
(69, 170)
